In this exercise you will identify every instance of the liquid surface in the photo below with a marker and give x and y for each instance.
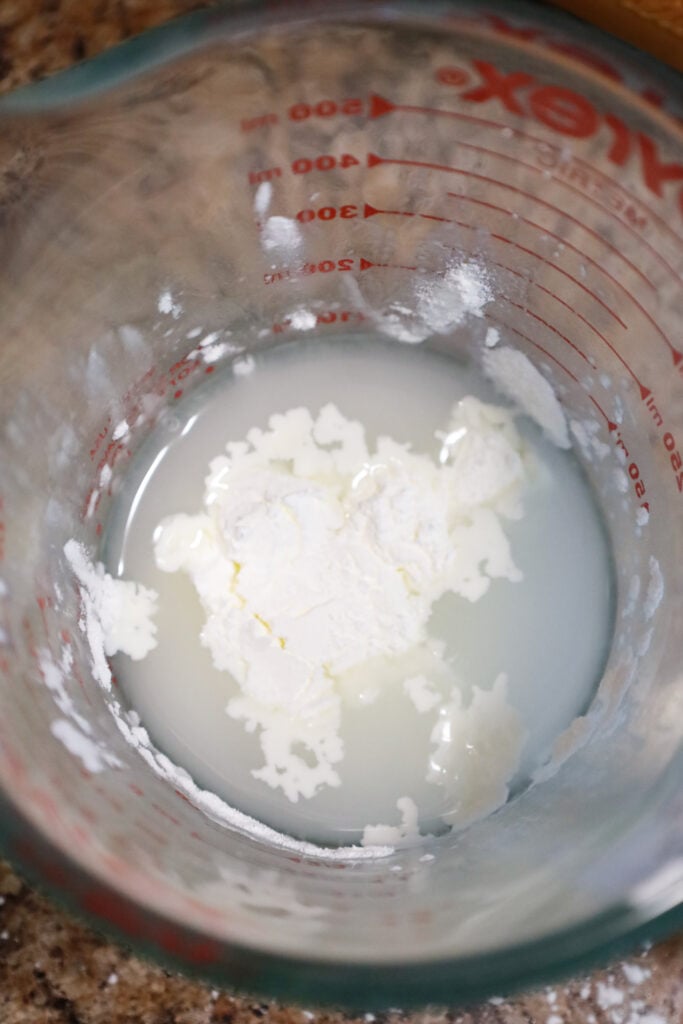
(547, 633)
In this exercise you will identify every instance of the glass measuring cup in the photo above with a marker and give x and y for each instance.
(253, 181)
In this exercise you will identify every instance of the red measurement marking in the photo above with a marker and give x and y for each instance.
(633, 469)
(379, 106)
(557, 298)
(165, 814)
(610, 425)
(575, 281)
(675, 458)
(327, 213)
(100, 438)
(248, 124)
(43, 603)
(374, 160)
(371, 211)
(269, 174)
(535, 344)
(558, 238)
(676, 355)
(369, 264)
(644, 392)
(549, 327)
(324, 162)
(347, 263)
(386, 107)
(326, 108)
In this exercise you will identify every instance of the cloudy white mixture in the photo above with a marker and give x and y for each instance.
(332, 630)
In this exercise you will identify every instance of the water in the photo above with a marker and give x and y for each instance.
(549, 633)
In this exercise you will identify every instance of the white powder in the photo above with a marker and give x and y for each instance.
(91, 754)
(217, 809)
(517, 377)
(644, 645)
(302, 319)
(120, 430)
(655, 589)
(395, 835)
(210, 339)
(441, 302)
(444, 302)
(635, 974)
(73, 730)
(492, 337)
(262, 197)
(642, 517)
(212, 353)
(281, 234)
(244, 366)
(586, 432)
(608, 995)
(315, 556)
(632, 596)
(620, 480)
(92, 504)
(422, 693)
(54, 678)
(167, 305)
(117, 614)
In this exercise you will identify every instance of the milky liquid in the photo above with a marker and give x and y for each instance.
(549, 633)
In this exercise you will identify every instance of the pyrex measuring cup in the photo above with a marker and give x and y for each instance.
(250, 178)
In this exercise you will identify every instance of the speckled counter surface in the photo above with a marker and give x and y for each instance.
(55, 971)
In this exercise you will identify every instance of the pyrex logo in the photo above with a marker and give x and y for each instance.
(571, 115)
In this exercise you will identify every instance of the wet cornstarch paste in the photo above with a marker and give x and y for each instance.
(360, 576)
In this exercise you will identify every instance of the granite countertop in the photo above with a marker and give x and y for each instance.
(54, 970)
